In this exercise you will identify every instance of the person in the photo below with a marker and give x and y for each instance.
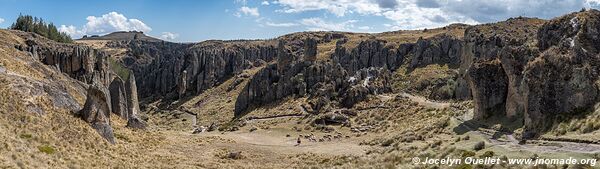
(298, 141)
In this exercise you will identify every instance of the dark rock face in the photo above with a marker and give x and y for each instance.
(370, 53)
(118, 98)
(442, 49)
(159, 66)
(564, 78)
(133, 105)
(96, 111)
(310, 49)
(557, 77)
(79, 62)
(326, 84)
(489, 87)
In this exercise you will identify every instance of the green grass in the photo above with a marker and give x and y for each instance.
(46, 149)
(118, 68)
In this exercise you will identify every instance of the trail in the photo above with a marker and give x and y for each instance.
(424, 101)
(511, 142)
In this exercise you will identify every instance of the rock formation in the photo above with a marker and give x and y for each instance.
(557, 77)
(159, 65)
(118, 98)
(133, 106)
(97, 109)
(77, 61)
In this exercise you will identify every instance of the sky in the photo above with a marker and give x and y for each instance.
(199, 20)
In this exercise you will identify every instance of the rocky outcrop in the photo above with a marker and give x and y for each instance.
(563, 80)
(133, 105)
(159, 66)
(310, 49)
(97, 109)
(488, 86)
(326, 84)
(541, 74)
(442, 49)
(370, 53)
(77, 61)
(118, 97)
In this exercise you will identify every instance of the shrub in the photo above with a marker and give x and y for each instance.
(46, 149)
(488, 154)
(468, 154)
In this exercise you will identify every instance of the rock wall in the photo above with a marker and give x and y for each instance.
(160, 66)
(79, 62)
(326, 84)
(551, 70)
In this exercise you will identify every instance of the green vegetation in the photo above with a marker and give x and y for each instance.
(37, 25)
(118, 68)
(25, 136)
(46, 149)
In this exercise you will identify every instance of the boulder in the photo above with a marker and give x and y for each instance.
(332, 119)
(96, 111)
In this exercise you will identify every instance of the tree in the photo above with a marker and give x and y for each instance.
(37, 25)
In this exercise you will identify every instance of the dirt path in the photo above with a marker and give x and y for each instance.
(538, 146)
(425, 102)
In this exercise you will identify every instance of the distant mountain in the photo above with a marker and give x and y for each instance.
(121, 36)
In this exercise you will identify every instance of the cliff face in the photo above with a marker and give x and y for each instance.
(550, 70)
(79, 62)
(160, 66)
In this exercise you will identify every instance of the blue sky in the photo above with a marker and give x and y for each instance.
(198, 20)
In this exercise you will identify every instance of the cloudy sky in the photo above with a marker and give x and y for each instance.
(189, 21)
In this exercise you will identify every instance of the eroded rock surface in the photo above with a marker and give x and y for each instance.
(97, 109)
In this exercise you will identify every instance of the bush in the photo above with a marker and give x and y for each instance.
(119, 69)
(46, 149)
(468, 154)
(488, 154)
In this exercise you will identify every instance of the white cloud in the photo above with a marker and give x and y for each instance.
(247, 11)
(318, 24)
(106, 23)
(1, 20)
(169, 36)
(364, 28)
(289, 24)
(418, 14)
(338, 7)
(413, 17)
(265, 3)
(71, 30)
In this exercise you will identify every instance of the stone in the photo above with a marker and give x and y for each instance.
(132, 99)
(118, 97)
(489, 86)
(96, 111)
(332, 119)
(136, 123)
(182, 84)
(310, 50)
